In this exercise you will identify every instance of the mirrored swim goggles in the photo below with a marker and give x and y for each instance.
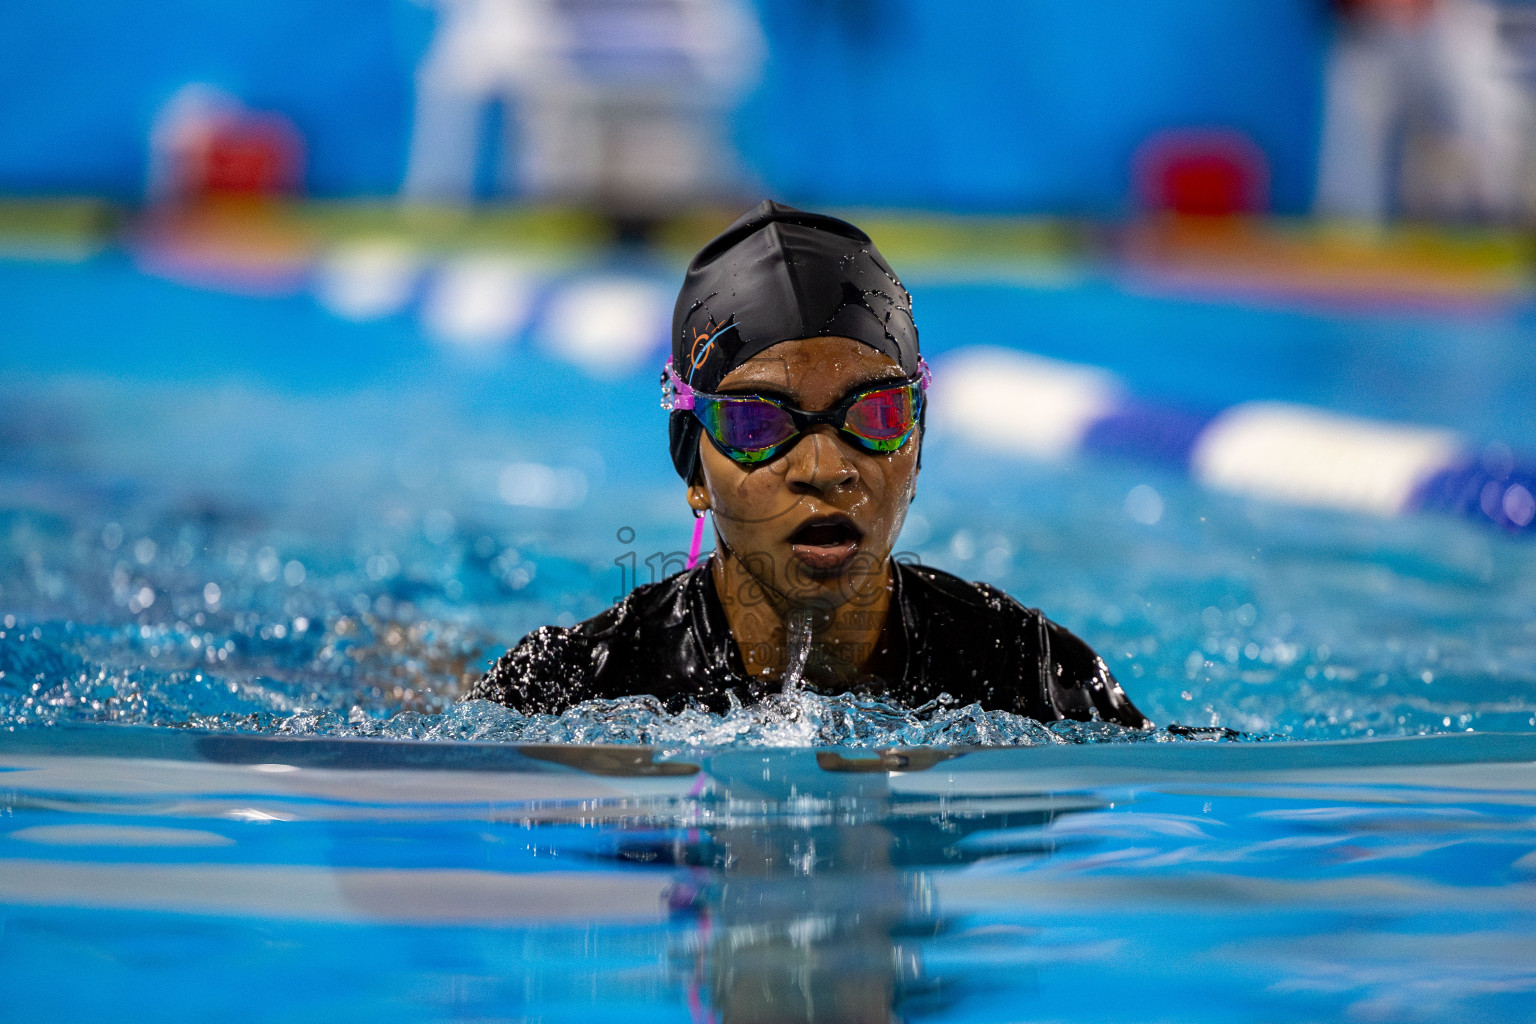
(753, 428)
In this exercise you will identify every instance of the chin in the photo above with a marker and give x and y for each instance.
(826, 583)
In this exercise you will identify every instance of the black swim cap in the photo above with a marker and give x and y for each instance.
(775, 275)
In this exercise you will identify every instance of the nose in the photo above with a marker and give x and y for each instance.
(817, 464)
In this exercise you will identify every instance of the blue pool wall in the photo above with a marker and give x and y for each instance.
(1029, 106)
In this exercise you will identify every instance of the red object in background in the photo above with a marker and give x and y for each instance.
(1402, 13)
(1203, 174)
(246, 154)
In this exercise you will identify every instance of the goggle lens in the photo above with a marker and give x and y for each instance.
(882, 419)
(752, 427)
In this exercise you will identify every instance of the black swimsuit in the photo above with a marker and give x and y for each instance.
(671, 640)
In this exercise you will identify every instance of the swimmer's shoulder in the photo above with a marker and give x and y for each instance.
(648, 604)
(1075, 681)
(949, 593)
(981, 603)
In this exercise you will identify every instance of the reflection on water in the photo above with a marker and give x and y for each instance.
(800, 904)
(377, 881)
(815, 893)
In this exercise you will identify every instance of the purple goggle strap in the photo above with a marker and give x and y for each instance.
(676, 393)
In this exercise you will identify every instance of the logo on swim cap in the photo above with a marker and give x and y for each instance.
(704, 342)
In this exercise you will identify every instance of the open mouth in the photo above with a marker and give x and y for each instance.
(827, 543)
(833, 531)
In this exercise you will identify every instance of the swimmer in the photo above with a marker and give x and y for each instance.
(797, 397)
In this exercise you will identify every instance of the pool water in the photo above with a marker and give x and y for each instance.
(251, 550)
(184, 876)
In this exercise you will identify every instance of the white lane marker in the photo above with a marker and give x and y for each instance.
(1011, 401)
(480, 302)
(1309, 457)
(608, 326)
(367, 279)
(535, 485)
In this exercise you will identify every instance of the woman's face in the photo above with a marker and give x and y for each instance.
(815, 525)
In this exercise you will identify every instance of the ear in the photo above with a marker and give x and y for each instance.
(698, 497)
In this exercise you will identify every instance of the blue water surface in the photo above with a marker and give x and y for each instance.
(172, 878)
(251, 552)
(248, 511)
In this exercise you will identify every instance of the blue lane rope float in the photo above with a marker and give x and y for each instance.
(1004, 399)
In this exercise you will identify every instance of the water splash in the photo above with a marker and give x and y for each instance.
(799, 630)
(801, 719)
(55, 676)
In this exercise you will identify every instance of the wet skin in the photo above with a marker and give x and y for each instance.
(811, 530)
